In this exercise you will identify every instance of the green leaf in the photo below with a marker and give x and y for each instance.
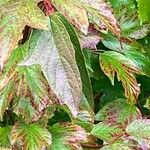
(26, 110)
(106, 132)
(70, 10)
(4, 137)
(5, 98)
(144, 10)
(30, 137)
(114, 62)
(117, 146)
(67, 136)
(114, 44)
(14, 17)
(139, 128)
(142, 61)
(54, 52)
(118, 112)
(80, 60)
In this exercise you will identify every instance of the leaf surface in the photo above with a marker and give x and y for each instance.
(144, 10)
(76, 14)
(15, 15)
(113, 62)
(30, 137)
(67, 136)
(139, 128)
(54, 52)
(4, 137)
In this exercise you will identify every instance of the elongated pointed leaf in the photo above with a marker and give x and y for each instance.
(113, 62)
(15, 15)
(30, 137)
(86, 83)
(55, 53)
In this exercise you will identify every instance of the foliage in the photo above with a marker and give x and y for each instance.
(74, 74)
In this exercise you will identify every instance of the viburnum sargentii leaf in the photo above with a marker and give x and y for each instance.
(113, 62)
(54, 52)
(30, 137)
(15, 15)
(67, 136)
(76, 14)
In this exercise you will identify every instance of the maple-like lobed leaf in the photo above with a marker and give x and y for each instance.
(113, 62)
(14, 17)
(57, 63)
(76, 14)
(118, 112)
(30, 137)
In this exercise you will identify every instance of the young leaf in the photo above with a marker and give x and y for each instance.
(70, 10)
(114, 62)
(30, 137)
(80, 60)
(144, 10)
(67, 136)
(55, 53)
(139, 128)
(4, 137)
(15, 15)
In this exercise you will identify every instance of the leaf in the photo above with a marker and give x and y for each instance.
(4, 137)
(141, 60)
(144, 10)
(118, 112)
(32, 83)
(15, 15)
(100, 11)
(5, 98)
(67, 136)
(106, 132)
(26, 110)
(80, 60)
(70, 10)
(30, 137)
(117, 146)
(139, 128)
(113, 62)
(57, 62)
(114, 44)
